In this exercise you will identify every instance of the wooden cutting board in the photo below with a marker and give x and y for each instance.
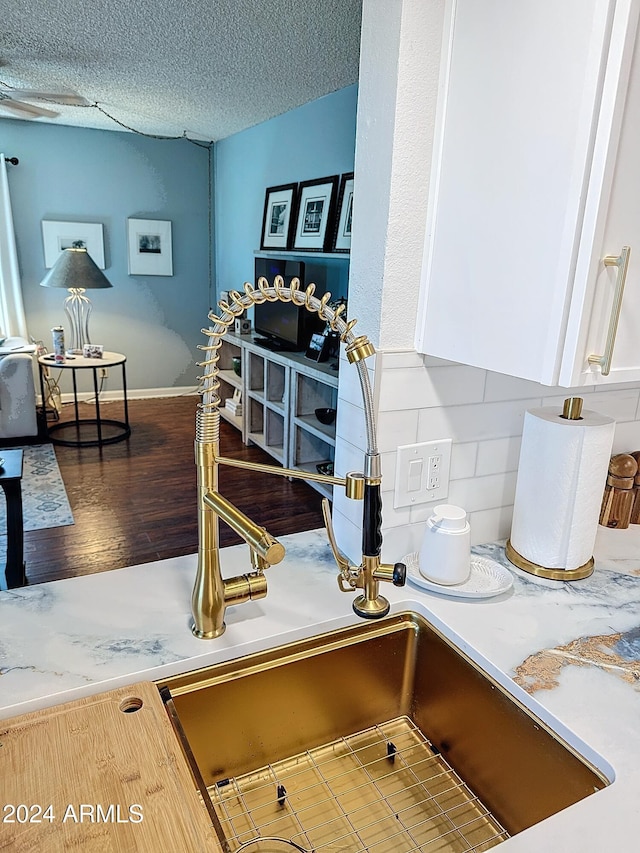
(99, 774)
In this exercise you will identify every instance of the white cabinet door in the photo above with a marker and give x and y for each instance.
(617, 168)
(524, 91)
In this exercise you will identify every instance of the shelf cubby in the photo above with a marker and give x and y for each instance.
(274, 435)
(280, 393)
(255, 372)
(326, 432)
(276, 383)
(312, 394)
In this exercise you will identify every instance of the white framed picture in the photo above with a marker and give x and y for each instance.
(342, 234)
(277, 218)
(316, 209)
(150, 251)
(58, 236)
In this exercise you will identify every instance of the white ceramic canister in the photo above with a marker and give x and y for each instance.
(445, 555)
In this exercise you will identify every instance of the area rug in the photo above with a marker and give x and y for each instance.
(44, 498)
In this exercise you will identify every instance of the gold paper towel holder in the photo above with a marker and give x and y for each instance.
(572, 410)
(542, 572)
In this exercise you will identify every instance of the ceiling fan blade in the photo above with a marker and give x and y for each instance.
(29, 109)
(64, 97)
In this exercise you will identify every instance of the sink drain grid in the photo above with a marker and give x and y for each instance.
(383, 790)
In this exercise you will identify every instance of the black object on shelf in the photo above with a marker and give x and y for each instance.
(326, 415)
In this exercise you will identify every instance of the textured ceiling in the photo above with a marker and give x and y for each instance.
(207, 67)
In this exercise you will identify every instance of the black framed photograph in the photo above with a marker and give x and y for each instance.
(316, 210)
(342, 232)
(278, 218)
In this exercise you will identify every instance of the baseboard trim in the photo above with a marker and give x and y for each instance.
(135, 394)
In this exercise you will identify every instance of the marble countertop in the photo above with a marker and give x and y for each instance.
(570, 651)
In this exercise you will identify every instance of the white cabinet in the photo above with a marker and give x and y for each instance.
(312, 442)
(536, 180)
(280, 395)
(266, 396)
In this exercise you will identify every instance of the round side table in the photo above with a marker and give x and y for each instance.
(74, 364)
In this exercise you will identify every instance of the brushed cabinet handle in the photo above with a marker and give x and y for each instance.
(622, 262)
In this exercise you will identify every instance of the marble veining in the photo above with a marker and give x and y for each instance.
(40, 598)
(571, 651)
(616, 654)
(104, 651)
(612, 591)
(99, 629)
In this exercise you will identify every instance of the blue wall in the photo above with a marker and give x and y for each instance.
(312, 141)
(76, 174)
(82, 175)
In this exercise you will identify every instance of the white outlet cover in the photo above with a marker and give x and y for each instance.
(405, 494)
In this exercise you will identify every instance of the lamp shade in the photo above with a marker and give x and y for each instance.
(75, 268)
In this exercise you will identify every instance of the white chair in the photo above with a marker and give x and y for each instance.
(17, 396)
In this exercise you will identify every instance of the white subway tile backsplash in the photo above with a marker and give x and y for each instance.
(350, 424)
(489, 525)
(400, 541)
(463, 460)
(496, 490)
(388, 468)
(498, 455)
(627, 437)
(400, 359)
(397, 389)
(433, 361)
(619, 386)
(352, 511)
(424, 399)
(394, 517)
(420, 388)
(349, 383)
(396, 428)
(348, 458)
(348, 537)
(501, 387)
(395, 359)
(420, 514)
(474, 423)
(619, 405)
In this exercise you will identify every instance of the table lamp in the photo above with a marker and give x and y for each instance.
(76, 271)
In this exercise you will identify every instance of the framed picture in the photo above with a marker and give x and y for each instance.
(316, 207)
(342, 233)
(149, 247)
(278, 217)
(58, 236)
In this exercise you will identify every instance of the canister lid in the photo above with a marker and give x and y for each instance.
(449, 517)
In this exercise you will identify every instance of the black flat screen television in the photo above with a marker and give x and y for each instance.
(283, 325)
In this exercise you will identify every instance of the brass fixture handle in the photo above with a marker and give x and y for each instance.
(341, 560)
(622, 262)
(257, 538)
(346, 585)
(397, 573)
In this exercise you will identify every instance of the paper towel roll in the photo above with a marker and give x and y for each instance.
(561, 476)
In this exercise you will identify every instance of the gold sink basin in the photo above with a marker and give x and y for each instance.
(381, 737)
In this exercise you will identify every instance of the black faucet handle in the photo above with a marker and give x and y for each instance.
(399, 577)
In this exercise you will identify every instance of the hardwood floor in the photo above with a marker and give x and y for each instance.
(135, 502)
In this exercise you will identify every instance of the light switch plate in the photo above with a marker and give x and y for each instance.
(422, 473)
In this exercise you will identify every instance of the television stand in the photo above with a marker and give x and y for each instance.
(275, 346)
(280, 394)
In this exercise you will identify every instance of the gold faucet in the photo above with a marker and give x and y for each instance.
(212, 593)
